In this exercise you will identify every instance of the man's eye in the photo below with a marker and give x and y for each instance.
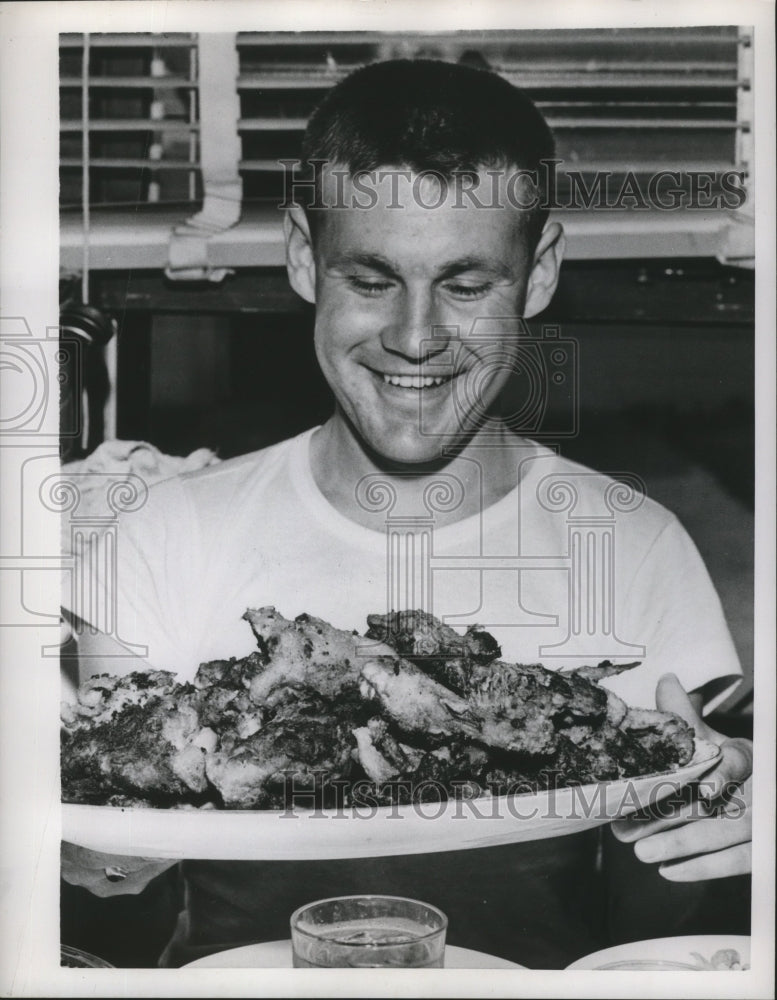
(369, 286)
(469, 291)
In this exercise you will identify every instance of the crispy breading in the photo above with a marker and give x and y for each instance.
(316, 706)
(293, 756)
(543, 707)
(307, 652)
(156, 748)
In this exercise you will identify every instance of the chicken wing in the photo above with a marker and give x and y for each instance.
(308, 652)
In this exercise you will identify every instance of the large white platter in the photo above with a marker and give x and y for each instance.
(299, 835)
(277, 955)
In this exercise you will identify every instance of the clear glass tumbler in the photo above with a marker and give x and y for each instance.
(363, 932)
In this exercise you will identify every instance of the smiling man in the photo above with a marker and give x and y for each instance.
(399, 290)
(425, 247)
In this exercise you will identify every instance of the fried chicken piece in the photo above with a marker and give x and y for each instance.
(550, 712)
(230, 675)
(286, 757)
(435, 647)
(139, 734)
(540, 701)
(582, 755)
(616, 706)
(458, 765)
(419, 635)
(535, 699)
(507, 706)
(154, 748)
(379, 754)
(307, 652)
(604, 669)
(418, 704)
(306, 744)
(103, 696)
(664, 737)
(611, 740)
(431, 713)
(602, 754)
(383, 757)
(225, 702)
(435, 775)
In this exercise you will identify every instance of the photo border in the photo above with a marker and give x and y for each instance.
(29, 690)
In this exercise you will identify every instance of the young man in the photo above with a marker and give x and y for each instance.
(424, 249)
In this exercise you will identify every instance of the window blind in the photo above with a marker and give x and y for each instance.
(617, 100)
(621, 102)
(128, 120)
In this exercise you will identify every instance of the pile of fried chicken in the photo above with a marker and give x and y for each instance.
(319, 716)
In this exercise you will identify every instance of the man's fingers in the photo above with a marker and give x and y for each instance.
(637, 827)
(736, 860)
(694, 838)
(734, 767)
(671, 696)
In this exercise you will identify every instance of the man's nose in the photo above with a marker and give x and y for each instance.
(415, 331)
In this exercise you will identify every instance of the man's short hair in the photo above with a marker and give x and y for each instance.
(427, 115)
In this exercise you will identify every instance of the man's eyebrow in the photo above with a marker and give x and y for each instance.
(373, 261)
(463, 264)
(377, 262)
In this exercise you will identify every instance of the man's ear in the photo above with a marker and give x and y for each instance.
(545, 269)
(300, 262)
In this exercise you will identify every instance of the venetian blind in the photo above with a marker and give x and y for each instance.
(620, 101)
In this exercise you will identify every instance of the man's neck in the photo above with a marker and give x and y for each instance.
(359, 485)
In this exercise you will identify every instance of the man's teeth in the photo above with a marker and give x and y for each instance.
(413, 381)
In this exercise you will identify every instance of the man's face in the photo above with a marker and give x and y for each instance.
(401, 295)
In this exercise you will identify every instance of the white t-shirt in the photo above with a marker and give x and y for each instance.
(568, 568)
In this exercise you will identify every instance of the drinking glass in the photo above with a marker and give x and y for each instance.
(363, 932)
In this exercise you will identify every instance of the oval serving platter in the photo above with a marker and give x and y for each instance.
(363, 832)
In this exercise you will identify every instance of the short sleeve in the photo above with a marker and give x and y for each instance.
(126, 580)
(672, 605)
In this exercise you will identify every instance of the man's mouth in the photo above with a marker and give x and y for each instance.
(415, 381)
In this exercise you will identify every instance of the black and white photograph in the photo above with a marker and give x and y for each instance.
(387, 443)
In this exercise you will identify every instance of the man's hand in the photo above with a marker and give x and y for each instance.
(109, 874)
(710, 838)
